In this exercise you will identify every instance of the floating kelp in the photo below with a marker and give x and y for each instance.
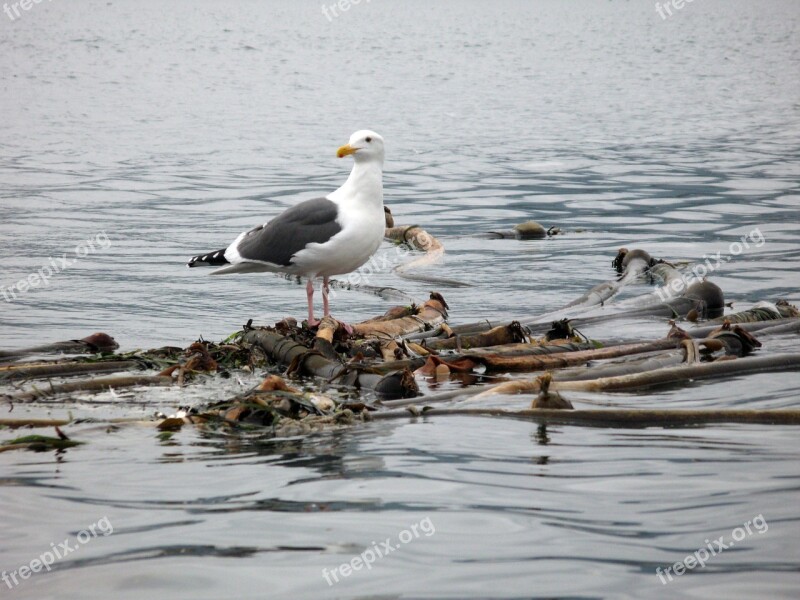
(500, 335)
(607, 417)
(64, 369)
(737, 341)
(625, 258)
(302, 359)
(529, 230)
(92, 344)
(40, 443)
(703, 298)
(769, 327)
(419, 239)
(284, 410)
(763, 311)
(659, 376)
(425, 317)
(335, 374)
(548, 400)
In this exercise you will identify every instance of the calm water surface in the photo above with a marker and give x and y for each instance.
(171, 127)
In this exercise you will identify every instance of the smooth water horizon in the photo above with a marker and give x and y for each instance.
(138, 134)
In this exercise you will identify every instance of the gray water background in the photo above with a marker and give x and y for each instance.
(172, 126)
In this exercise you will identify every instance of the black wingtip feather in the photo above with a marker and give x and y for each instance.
(209, 259)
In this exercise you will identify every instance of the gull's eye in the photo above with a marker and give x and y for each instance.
(369, 139)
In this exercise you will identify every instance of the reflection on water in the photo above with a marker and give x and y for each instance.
(171, 128)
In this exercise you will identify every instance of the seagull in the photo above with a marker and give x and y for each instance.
(320, 237)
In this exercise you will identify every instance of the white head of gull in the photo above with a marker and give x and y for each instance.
(321, 237)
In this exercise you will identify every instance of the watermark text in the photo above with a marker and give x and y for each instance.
(668, 6)
(342, 6)
(25, 5)
(56, 265)
(710, 264)
(57, 551)
(381, 550)
(712, 548)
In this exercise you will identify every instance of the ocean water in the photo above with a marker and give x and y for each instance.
(137, 134)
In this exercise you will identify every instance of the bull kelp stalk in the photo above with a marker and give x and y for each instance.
(701, 296)
(661, 376)
(98, 384)
(607, 417)
(704, 297)
(531, 349)
(419, 239)
(500, 335)
(68, 369)
(632, 266)
(92, 344)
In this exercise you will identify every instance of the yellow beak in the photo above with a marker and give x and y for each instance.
(345, 150)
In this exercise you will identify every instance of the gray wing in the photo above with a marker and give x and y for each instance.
(291, 231)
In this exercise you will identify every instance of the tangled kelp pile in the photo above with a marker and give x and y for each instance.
(335, 375)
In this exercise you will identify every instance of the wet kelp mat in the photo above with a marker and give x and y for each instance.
(338, 375)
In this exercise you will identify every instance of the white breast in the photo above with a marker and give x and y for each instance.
(361, 236)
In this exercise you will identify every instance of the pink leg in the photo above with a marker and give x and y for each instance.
(326, 305)
(310, 295)
(326, 309)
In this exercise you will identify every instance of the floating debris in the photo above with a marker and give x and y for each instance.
(92, 344)
(40, 443)
(392, 365)
(548, 400)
